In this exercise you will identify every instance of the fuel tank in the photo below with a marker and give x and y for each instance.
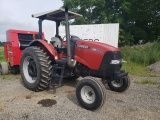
(96, 55)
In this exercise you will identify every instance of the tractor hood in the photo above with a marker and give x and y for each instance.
(96, 46)
(91, 54)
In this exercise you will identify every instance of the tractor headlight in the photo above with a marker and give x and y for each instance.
(115, 62)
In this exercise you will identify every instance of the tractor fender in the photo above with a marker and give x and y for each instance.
(48, 48)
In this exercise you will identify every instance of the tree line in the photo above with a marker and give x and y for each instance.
(139, 19)
(2, 43)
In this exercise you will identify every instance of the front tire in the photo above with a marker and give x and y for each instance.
(4, 68)
(90, 93)
(120, 85)
(35, 69)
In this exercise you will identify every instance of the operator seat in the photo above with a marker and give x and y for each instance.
(57, 42)
(58, 45)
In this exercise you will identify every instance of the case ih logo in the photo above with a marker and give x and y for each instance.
(90, 48)
(82, 46)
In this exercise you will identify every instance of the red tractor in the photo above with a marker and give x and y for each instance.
(44, 63)
(17, 41)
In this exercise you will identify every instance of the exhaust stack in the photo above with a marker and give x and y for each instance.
(71, 62)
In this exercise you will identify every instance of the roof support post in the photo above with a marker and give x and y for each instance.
(40, 25)
(40, 28)
(57, 27)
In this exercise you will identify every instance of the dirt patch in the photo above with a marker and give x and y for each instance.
(25, 116)
(28, 96)
(47, 102)
(2, 105)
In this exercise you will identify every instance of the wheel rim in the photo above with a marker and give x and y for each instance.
(88, 94)
(29, 69)
(117, 83)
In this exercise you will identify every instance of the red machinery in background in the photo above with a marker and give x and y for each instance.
(16, 42)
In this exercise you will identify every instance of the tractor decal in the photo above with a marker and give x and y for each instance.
(90, 48)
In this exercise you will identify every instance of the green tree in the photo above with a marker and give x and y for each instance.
(138, 19)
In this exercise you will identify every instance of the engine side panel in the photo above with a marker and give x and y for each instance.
(91, 53)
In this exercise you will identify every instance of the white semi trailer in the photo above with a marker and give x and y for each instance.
(105, 33)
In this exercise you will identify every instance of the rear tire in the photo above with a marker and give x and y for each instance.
(120, 85)
(4, 68)
(90, 93)
(35, 69)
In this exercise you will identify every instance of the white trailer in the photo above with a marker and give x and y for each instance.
(105, 33)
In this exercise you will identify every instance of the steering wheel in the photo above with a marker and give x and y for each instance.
(64, 40)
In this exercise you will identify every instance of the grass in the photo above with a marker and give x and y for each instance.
(2, 54)
(142, 54)
(9, 77)
(136, 69)
(139, 57)
(145, 82)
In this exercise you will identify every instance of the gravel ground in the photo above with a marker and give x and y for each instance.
(139, 102)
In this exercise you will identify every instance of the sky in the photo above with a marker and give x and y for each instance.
(16, 14)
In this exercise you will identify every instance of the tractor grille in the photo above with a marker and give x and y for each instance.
(25, 39)
(105, 64)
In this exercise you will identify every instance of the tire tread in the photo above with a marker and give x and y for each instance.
(45, 66)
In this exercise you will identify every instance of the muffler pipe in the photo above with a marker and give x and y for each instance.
(70, 62)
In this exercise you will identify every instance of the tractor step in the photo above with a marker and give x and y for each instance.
(62, 61)
(59, 68)
(57, 75)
